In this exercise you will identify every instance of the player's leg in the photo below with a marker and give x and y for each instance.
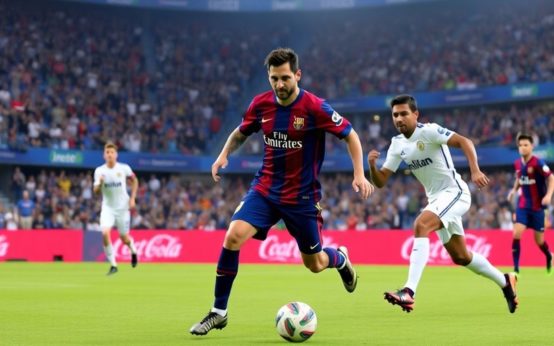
(537, 223)
(454, 242)
(522, 220)
(304, 223)
(123, 224)
(107, 220)
(424, 224)
(253, 218)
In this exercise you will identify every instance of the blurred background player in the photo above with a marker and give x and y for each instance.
(286, 187)
(535, 184)
(424, 148)
(111, 180)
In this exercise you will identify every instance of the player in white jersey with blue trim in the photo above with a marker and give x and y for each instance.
(111, 179)
(425, 150)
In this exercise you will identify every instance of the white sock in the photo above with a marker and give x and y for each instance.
(418, 261)
(220, 312)
(132, 246)
(108, 250)
(480, 265)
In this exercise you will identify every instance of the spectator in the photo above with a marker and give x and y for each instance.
(25, 208)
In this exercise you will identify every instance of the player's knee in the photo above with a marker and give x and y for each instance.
(233, 240)
(461, 259)
(422, 229)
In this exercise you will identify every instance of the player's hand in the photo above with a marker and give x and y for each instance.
(546, 201)
(221, 162)
(101, 180)
(510, 195)
(363, 186)
(132, 203)
(372, 157)
(480, 179)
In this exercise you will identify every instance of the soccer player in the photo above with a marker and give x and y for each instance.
(424, 148)
(293, 122)
(537, 185)
(111, 179)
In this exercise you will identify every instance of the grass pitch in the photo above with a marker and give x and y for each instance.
(155, 304)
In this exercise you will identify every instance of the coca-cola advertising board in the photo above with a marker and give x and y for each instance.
(365, 247)
(41, 246)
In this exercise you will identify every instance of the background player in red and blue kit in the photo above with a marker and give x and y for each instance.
(535, 184)
(293, 122)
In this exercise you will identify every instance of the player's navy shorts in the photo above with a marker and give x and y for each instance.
(531, 218)
(303, 221)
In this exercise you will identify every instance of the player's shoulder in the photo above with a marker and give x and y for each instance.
(263, 98)
(101, 167)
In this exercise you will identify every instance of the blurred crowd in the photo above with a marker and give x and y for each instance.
(73, 76)
(60, 199)
(72, 79)
(441, 46)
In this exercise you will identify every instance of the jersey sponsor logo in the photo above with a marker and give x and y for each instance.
(526, 181)
(336, 118)
(298, 123)
(419, 163)
(281, 140)
(420, 145)
(113, 184)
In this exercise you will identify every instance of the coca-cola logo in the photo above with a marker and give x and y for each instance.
(275, 250)
(4, 245)
(439, 255)
(159, 246)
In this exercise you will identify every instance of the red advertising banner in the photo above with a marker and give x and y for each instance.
(365, 247)
(41, 246)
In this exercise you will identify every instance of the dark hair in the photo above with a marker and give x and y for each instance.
(523, 136)
(280, 56)
(404, 99)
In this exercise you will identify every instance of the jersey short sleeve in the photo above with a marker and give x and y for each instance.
(437, 134)
(544, 169)
(331, 121)
(250, 123)
(393, 160)
(128, 171)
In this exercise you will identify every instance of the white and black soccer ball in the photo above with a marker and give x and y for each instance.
(296, 322)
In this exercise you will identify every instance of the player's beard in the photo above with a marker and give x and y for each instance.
(284, 94)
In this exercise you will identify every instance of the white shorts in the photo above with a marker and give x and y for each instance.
(449, 205)
(121, 219)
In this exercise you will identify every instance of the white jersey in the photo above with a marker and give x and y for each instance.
(114, 188)
(428, 157)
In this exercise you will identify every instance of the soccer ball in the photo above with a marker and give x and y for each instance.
(296, 322)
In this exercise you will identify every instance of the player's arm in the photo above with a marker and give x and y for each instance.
(547, 199)
(379, 177)
(98, 181)
(360, 183)
(514, 189)
(134, 188)
(466, 145)
(235, 140)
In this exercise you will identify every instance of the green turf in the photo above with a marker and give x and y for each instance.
(155, 304)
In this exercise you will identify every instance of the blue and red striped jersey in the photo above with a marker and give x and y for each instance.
(294, 144)
(532, 180)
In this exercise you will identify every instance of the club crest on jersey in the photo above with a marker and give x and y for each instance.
(530, 170)
(336, 118)
(420, 145)
(298, 123)
(118, 174)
